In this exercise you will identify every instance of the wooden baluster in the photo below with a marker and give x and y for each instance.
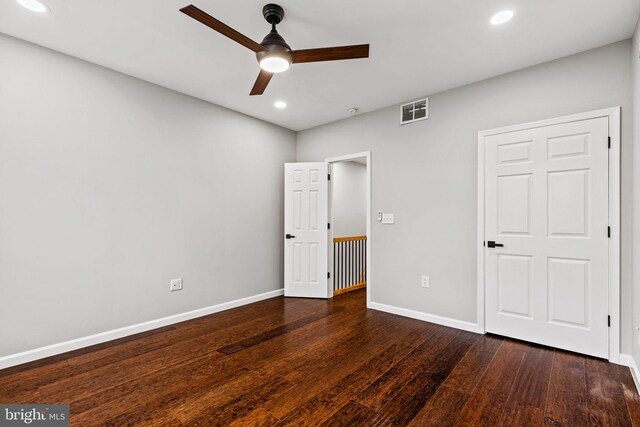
(359, 261)
(350, 244)
(342, 265)
(335, 259)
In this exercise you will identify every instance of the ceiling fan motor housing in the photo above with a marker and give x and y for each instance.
(275, 50)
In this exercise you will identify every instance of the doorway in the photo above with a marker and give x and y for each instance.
(347, 251)
(548, 231)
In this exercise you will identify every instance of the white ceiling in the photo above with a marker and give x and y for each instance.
(418, 47)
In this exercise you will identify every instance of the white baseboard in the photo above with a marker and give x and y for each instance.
(431, 318)
(63, 347)
(628, 360)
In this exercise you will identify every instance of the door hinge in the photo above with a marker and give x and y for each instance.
(329, 226)
(328, 275)
(329, 176)
(609, 321)
(609, 142)
(609, 232)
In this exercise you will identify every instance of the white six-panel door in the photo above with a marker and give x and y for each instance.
(305, 224)
(546, 201)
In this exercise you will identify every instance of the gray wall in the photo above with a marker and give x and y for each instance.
(110, 187)
(426, 173)
(635, 59)
(349, 199)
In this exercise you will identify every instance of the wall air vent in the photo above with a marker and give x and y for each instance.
(414, 111)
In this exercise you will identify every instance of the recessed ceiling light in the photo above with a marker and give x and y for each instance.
(502, 17)
(34, 6)
(280, 104)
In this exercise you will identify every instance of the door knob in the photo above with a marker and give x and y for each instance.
(290, 236)
(492, 244)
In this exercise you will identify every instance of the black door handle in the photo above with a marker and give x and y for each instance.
(290, 236)
(492, 244)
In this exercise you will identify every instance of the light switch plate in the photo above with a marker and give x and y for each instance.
(388, 218)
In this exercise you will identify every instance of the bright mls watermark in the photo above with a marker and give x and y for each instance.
(34, 415)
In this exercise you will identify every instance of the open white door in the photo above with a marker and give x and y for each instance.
(305, 225)
(546, 225)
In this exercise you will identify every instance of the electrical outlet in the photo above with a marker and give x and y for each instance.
(425, 281)
(175, 285)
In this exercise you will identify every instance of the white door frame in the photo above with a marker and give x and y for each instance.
(613, 114)
(347, 158)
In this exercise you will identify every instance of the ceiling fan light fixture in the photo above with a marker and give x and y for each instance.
(276, 56)
(274, 64)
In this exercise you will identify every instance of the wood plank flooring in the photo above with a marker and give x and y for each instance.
(296, 362)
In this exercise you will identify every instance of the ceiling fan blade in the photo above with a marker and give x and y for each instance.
(261, 82)
(222, 28)
(330, 53)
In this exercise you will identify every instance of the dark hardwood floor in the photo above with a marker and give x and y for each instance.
(314, 362)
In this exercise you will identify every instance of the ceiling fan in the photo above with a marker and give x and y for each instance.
(274, 54)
